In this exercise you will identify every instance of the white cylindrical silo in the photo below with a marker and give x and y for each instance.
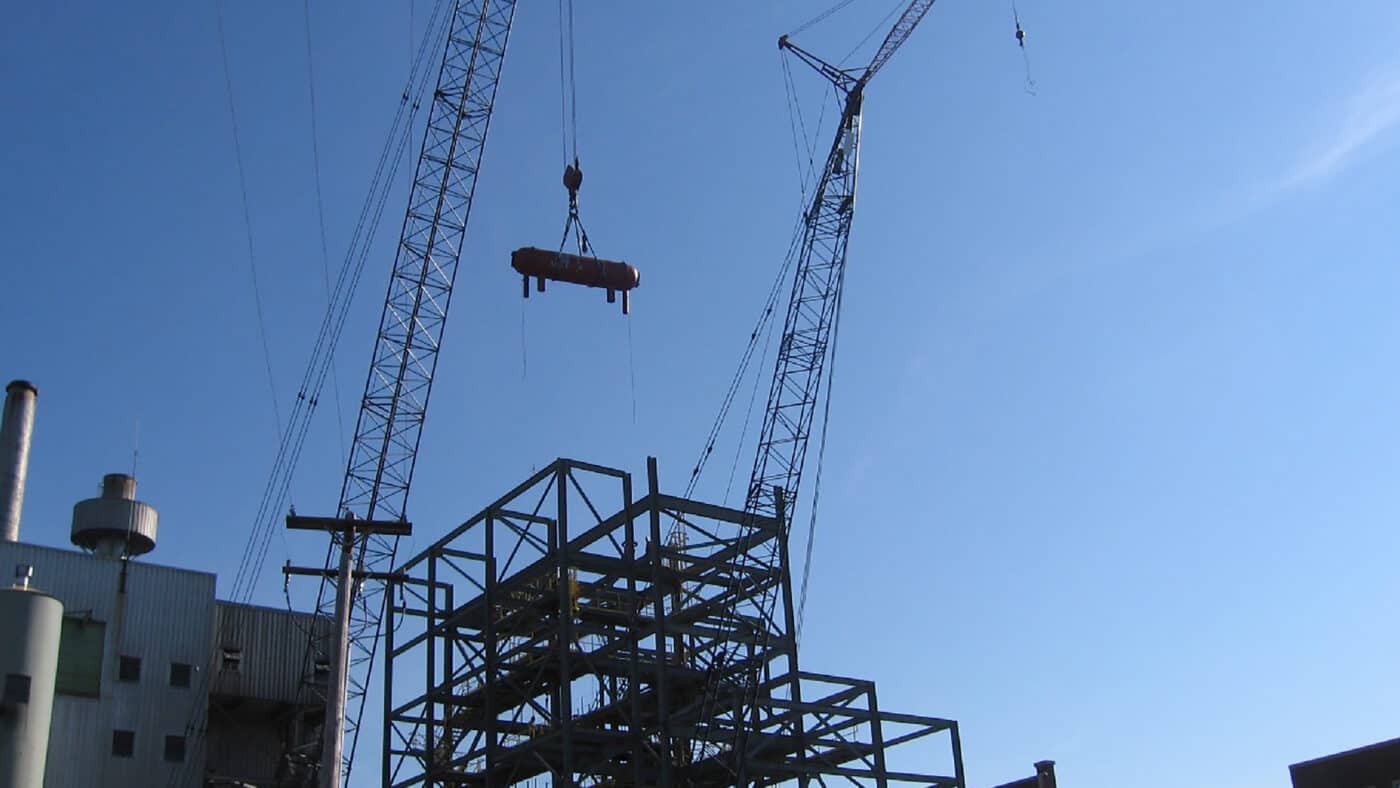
(31, 623)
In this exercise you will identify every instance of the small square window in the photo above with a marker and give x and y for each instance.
(179, 674)
(123, 743)
(232, 659)
(16, 689)
(129, 669)
(175, 748)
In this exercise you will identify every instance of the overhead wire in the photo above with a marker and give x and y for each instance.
(563, 87)
(632, 370)
(765, 604)
(821, 458)
(761, 326)
(764, 327)
(333, 321)
(820, 17)
(881, 25)
(321, 218)
(573, 82)
(247, 219)
(748, 413)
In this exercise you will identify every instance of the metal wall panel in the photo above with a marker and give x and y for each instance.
(158, 614)
(271, 644)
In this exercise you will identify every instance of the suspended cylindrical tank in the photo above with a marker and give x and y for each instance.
(16, 431)
(31, 623)
(116, 524)
(542, 265)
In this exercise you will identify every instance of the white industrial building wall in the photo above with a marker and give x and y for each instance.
(166, 615)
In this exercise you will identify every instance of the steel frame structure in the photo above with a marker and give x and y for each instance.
(575, 634)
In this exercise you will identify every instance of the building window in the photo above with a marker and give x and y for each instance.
(232, 659)
(129, 669)
(16, 689)
(123, 743)
(80, 657)
(175, 748)
(179, 674)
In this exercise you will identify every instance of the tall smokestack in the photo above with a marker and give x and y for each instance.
(16, 430)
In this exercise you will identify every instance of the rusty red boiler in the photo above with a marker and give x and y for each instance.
(543, 264)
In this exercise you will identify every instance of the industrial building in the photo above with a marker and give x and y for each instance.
(1373, 766)
(153, 680)
(158, 682)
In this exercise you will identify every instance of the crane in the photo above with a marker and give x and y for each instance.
(804, 348)
(379, 470)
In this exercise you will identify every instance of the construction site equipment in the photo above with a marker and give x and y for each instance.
(570, 634)
(803, 353)
(395, 401)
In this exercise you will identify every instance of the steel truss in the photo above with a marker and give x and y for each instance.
(574, 634)
(390, 425)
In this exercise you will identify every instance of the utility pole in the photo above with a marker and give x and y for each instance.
(348, 532)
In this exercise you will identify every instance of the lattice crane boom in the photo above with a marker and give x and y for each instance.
(816, 289)
(390, 423)
(803, 350)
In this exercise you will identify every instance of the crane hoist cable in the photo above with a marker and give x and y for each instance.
(321, 216)
(1021, 44)
(568, 102)
(584, 268)
(248, 225)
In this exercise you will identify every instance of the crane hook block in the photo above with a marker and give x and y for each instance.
(573, 178)
(543, 264)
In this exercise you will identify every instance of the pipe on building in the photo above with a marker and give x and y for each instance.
(16, 431)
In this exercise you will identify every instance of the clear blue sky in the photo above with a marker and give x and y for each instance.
(1111, 474)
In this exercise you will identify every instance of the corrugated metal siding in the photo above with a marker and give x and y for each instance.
(248, 751)
(272, 643)
(165, 615)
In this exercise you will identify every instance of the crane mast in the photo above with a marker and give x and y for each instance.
(816, 288)
(803, 353)
(390, 423)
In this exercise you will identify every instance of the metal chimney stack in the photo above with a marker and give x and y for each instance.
(16, 430)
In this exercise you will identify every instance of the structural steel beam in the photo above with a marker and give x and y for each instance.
(575, 635)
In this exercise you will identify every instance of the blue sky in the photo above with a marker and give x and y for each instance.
(1110, 476)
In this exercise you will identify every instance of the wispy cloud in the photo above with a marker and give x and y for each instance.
(1364, 119)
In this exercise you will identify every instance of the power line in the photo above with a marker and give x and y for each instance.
(321, 219)
(247, 219)
(293, 439)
